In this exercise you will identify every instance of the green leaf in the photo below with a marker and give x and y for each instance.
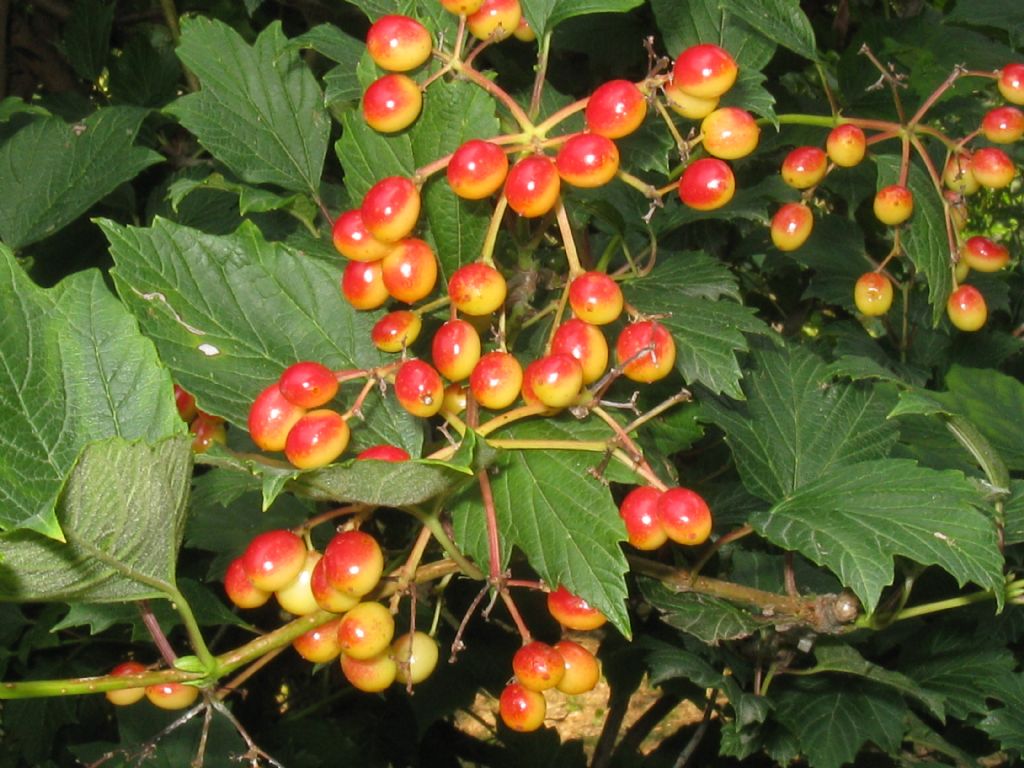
(545, 15)
(74, 369)
(1013, 511)
(781, 21)
(341, 81)
(833, 722)
(708, 619)
(368, 156)
(709, 21)
(260, 110)
(796, 423)
(854, 518)
(60, 170)
(997, 14)
(122, 514)
(669, 662)
(1006, 724)
(145, 73)
(924, 240)
(991, 400)
(708, 332)
(87, 37)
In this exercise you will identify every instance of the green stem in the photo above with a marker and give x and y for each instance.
(433, 524)
(195, 635)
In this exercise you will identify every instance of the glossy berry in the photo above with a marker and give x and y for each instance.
(553, 381)
(645, 351)
(477, 169)
(416, 655)
(893, 204)
(496, 380)
(398, 43)
(240, 590)
(791, 226)
(370, 675)
(308, 384)
(362, 285)
(353, 240)
(320, 644)
(317, 439)
(366, 630)
(455, 349)
(410, 270)
(992, 167)
(495, 19)
(587, 160)
(584, 342)
(1011, 83)
(707, 184)
(574, 612)
(532, 186)
(615, 109)
(419, 388)
(207, 430)
(957, 174)
(390, 453)
(353, 563)
(685, 105)
(804, 167)
(1003, 125)
(273, 559)
(706, 71)
(639, 511)
(538, 666)
(477, 289)
(730, 133)
(521, 709)
(984, 255)
(126, 696)
(966, 308)
(392, 103)
(873, 294)
(326, 596)
(185, 403)
(390, 208)
(685, 516)
(172, 695)
(524, 31)
(846, 145)
(595, 298)
(297, 597)
(582, 672)
(396, 331)
(454, 398)
(271, 416)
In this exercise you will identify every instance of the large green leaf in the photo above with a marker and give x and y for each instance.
(260, 110)
(797, 423)
(122, 513)
(687, 288)
(228, 314)
(341, 81)
(781, 21)
(991, 400)
(545, 15)
(709, 21)
(73, 368)
(832, 722)
(707, 618)
(53, 171)
(854, 518)
(924, 240)
(1006, 724)
(87, 37)
(368, 156)
(990, 13)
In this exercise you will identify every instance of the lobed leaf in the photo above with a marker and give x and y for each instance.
(781, 21)
(709, 619)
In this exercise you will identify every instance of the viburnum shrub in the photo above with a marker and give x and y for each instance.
(374, 390)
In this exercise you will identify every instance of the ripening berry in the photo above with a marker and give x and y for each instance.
(454, 398)
(582, 670)
(730, 133)
(574, 612)
(172, 695)
(992, 167)
(392, 103)
(966, 308)
(396, 330)
(455, 349)
(317, 439)
(538, 666)
(125, 696)
(495, 19)
(477, 289)
(297, 597)
(1003, 125)
(410, 270)
(553, 381)
(586, 343)
(639, 511)
(1011, 83)
(615, 109)
(521, 709)
(271, 416)
(804, 167)
(416, 655)
(362, 285)
(846, 145)
(685, 105)
(532, 186)
(419, 388)
(273, 559)
(873, 294)
(308, 384)
(707, 184)
(398, 43)
(706, 71)
(791, 226)
(595, 298)
(353, 563)
(957, 175)
(240, 590)
(185, 403)
(391, 453)
(366, 630)
(587, 160)
(207, 430)
(477, 169)
(685, 516)
(893, 204)
(496, 380)
(353, 240)
(390, 208)
(645, 351)
(320, 644)
(984, 255)
(326, 596)
(370, 675)
(524, 31)
(461, 7)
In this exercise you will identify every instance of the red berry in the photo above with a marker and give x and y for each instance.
(353, 563)
(705, 71)
(984, 255)
(297, 597)
(615, 109)
(326, 596)
(730, 133)
(584, 342)
(1011, 83)
(362, 284)
(524, 31)
(172, 695)
(320, 644)
(690, 107)
(846, 145)
(477, 289)
(873, 294)
(390, 453)
(392, 103)
(496, 380)
(966, 308)
(574, 612)
(685, 516)
(521, 709)
(581, 668)
(398, 43)
(419, 388)
(410, 270)
(804, 167)
(370, 675)
(462, 7)
(271, 416)
(992, 167)
(240, 590)
(317, 439)
(396, 331)
(273, 559)
(646, 351)
(595, 298)
(554, 381)
(495, 19)
(185, 403)
(477, 169)
(125, 696)
(532, 186)
(791, 226)
(455, 349)
(538, 666)
(207, 430)
(587, 160)
(353, 240)
(957, 174)
(416, 655)
(893, 204)
(308, 384)
(390, 208)
(707, 184)
(366, 631)
(1003, 125)
(639, 511)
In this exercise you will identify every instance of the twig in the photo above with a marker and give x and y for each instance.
(698, 735)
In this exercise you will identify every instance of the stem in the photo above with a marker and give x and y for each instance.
(698, 735)
(433, 524)
(524, 631)
(936, 94)
(568, 240)
(562, 114)
(594, 446)
(156, 632)
(541, 76)
(499, 94)
(942, 605)
(510, 417)
(487, 251)
(647, 190)
(493, 543)
(170, 13)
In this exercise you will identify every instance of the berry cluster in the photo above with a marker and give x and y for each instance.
(162, 695)
(653, 516)
(206, 428)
